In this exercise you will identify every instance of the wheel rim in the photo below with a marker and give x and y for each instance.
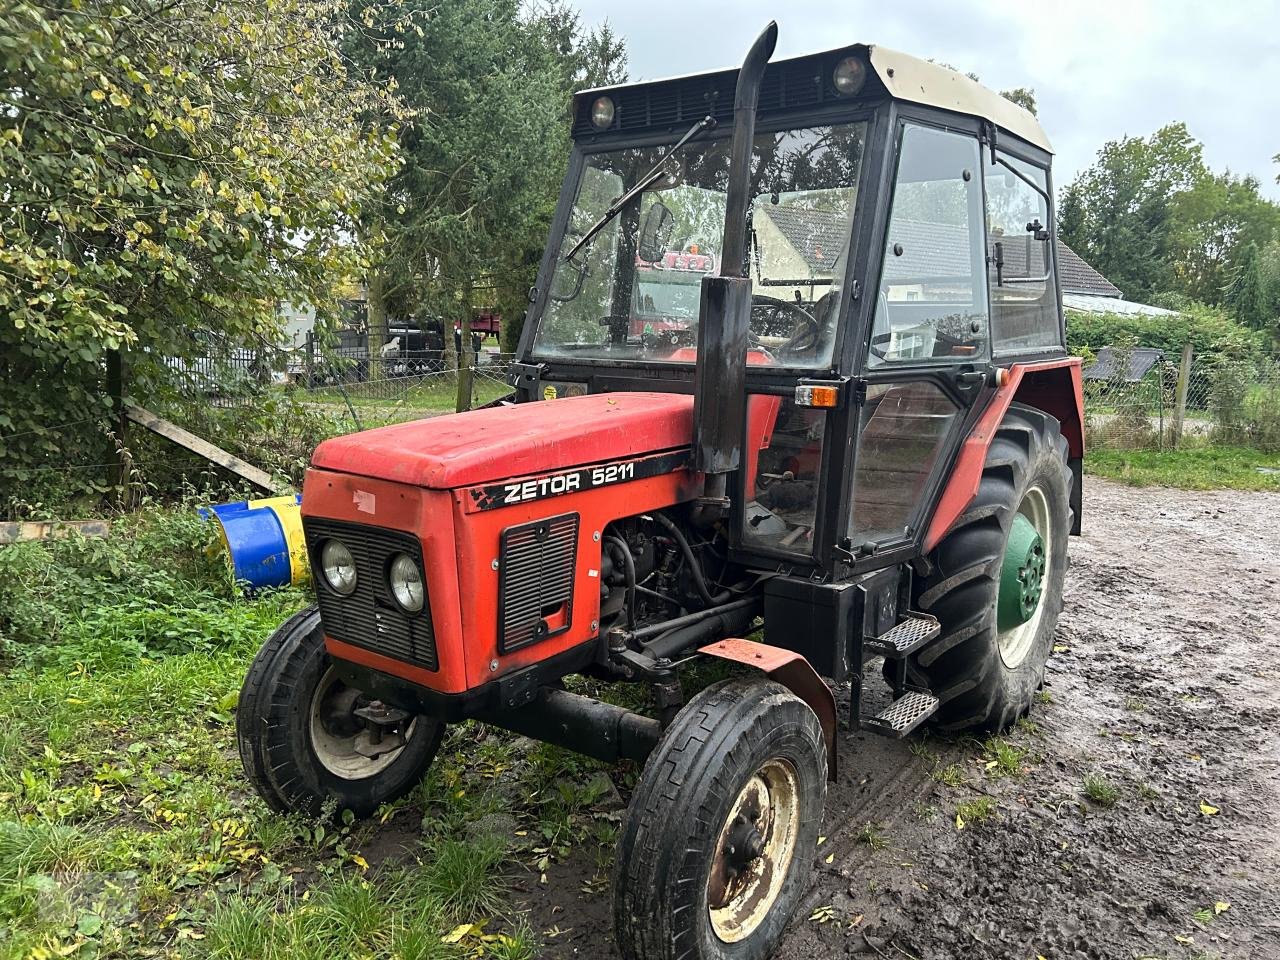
(1025, 569)
(753, 851)
(336, 731)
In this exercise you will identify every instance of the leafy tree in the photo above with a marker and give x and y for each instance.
(1246, 295)
(1118, 214)
(169, 168)
(484, 148)
(1024, 97)
(1214, 224)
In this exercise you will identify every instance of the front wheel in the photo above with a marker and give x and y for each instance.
(307, 740)
(721, 832)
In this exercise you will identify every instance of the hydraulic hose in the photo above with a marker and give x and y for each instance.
(695, 567)
(629, 571)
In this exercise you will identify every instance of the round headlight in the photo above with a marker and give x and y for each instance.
(406, 583)
(602, 113)
(338, 566)
(849, 76)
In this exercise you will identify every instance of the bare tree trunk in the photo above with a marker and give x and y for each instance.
(466, 356)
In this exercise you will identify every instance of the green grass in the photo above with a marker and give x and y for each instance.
(1195, 468)
(1100, 790)
(434, 395)
(127, 827)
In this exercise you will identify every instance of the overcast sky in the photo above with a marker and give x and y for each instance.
(1101, 69)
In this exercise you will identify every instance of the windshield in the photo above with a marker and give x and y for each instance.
(632, 291)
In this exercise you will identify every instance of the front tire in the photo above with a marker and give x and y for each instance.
(996, 582)
(301, 743)
(721, 832)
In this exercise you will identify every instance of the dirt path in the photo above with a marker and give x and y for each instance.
(1165, 686)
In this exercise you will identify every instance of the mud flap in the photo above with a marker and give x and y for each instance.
(792, 671)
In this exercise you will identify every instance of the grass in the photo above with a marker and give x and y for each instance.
(872, 835)
(974, 811)
(1101, 791)
(1193, 468)
(127, 827)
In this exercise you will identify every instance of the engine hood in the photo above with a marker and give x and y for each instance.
(482, 446)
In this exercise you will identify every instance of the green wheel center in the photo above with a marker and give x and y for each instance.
(1021, 575)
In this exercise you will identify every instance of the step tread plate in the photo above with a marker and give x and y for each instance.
(905, 637)
(903, 715)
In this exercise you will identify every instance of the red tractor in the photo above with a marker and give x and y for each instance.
(870, 445)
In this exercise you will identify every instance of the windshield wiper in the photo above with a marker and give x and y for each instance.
(644, 183)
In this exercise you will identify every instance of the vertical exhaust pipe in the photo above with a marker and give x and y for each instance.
(720, 378)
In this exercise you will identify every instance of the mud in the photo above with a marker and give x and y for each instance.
(1165, 684)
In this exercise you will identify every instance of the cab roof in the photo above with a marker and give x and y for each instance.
(806, 81)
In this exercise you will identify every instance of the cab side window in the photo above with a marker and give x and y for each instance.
(1024, 302)
(931, 304)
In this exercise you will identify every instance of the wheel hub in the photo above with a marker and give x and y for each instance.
(753, 852)
(1021, 574)
(352, 738)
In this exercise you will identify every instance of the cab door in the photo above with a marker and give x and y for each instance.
(929, 349)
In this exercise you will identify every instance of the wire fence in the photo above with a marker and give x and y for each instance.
(346, 381)
(1142, 399)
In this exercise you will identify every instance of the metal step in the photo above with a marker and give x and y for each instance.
(903, 715)
(904, 638)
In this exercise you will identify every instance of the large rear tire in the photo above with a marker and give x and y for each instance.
(996, 580)
(300, 741)
(721, 832)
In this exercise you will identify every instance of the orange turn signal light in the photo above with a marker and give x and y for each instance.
(817, 395)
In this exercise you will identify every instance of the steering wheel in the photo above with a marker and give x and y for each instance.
(807, 327)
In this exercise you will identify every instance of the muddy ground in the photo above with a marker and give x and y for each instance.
(1164, 687)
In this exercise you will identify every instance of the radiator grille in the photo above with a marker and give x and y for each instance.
(535, 592)
(369, 617)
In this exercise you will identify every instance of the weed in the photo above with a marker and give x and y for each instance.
(1001, 758)
(463, 878)
(1044, 697)
(1134, 705)
(976, 810)
(872, 835)
(1101, 791)
(952, 775)
(1148, 792)
(921, 749)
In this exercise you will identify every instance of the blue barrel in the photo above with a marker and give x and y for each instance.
(263, 540)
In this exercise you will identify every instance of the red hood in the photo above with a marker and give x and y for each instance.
(482, 446)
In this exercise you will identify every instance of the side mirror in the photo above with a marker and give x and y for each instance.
(655, 232)
(570, 274)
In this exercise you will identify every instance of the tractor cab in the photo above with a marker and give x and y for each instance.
(896, 247)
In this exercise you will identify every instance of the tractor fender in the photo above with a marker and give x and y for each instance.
(792, 671)
(1053, 386)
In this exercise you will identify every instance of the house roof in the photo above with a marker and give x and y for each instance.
(1089, 303)
(817, 235)
(937, 249)
(1078, 277)
(1141, 360)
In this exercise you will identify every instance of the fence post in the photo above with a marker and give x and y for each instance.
(1180, 408)
(118, 455)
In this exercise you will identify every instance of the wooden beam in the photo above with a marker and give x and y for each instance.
(200, 446)
(16, 532)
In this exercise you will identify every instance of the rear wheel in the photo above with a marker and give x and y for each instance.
(307, 739)
(720, 835)
(996, 584)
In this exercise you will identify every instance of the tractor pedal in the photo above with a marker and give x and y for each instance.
(903, 715)
(905, 637)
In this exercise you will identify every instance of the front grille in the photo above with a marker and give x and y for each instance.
(370, 617)
(535, 589)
